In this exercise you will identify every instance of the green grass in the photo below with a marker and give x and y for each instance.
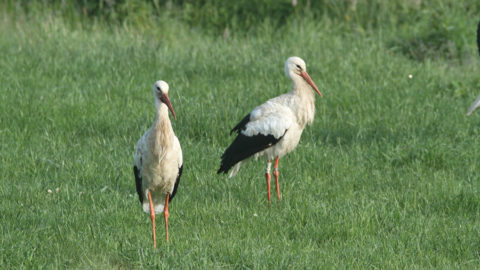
(386, 177)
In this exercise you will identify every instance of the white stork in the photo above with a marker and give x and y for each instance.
(158, 160)
(273, 129)
(476, 103)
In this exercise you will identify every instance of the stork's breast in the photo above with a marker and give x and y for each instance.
(291, 139)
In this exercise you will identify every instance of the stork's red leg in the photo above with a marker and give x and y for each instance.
(268, 177)
(165, 213)
(152, 217)
(275, 174)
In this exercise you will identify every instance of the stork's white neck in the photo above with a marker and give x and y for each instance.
(161, 133)
(300, 86)
(162, 112)
(305, 110)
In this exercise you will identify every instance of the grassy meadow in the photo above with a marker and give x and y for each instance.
(386, 177)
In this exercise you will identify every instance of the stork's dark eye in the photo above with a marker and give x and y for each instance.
(299, 67)
(158, 88)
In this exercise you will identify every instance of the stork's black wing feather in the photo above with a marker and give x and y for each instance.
(478, 37)
(170, 198)
(138, 183)
(241, 125)
(244, 147)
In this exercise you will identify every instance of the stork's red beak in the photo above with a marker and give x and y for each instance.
(166, 100)
(307, 78)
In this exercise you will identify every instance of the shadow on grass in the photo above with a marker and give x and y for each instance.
(396, 148)
(350, 135)
(431, 45)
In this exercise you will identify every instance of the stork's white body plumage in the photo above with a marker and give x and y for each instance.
(158, 157)
(476, 103)
(158, 160)
(274, 128)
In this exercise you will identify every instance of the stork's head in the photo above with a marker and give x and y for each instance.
(160, 92)
(296, 69)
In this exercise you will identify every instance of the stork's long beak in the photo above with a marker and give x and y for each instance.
(166, 100)
(307, 78)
